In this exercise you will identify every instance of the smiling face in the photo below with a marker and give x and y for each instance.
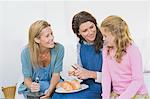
(88, 31)
(46, 38)
(109, 39)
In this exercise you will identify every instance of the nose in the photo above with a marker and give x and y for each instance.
(90, 31)
(51, 37)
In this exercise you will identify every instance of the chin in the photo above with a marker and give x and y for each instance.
(51, 46)
(91, 40)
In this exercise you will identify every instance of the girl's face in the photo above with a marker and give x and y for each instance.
(46, 38)
(107, 37)
(88, 31)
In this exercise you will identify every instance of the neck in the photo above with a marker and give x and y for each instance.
(44, 50)
(88, 43)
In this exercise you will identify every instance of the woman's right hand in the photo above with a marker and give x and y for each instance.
(72, 70)
(35, 87)
(46, 95)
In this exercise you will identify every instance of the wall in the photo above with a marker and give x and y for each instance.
(16, 17)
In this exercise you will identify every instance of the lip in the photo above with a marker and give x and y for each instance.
(52, 42)
(91, 36)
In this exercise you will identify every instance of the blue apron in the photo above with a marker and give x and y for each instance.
(91, 61)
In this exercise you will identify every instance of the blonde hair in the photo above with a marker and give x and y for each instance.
(119, 29)
(34, 32)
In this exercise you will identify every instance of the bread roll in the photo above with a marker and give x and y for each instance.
(69, 85)
(59, 85)
(75, 84)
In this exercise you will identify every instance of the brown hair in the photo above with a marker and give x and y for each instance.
(82, 17)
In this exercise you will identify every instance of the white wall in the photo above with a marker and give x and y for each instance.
(16, 17)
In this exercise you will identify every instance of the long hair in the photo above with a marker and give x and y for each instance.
(34, 32)
(118, 28)
(83, 17)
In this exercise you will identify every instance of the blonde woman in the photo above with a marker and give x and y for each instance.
(42, 58)
(122, 62)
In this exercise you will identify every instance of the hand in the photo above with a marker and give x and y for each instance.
(82, 73)
(35, 87)
(46, 95)
(72, 70)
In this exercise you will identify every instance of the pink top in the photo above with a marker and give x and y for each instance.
(126, 77)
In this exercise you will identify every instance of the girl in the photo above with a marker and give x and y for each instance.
(122, 63)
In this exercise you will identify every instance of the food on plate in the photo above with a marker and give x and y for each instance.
(69, 85)
(75, 84)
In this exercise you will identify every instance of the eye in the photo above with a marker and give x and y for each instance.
(91, 27)
(84, 30)
(51, 33)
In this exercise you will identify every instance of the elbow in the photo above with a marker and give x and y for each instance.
(138, 82)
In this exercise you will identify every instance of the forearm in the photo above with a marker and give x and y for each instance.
(55, 79)
(132, 89)
(92, 74)
(106, 85)
(28, 82)
(97, 76)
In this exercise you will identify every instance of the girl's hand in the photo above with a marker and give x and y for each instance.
(35, 87)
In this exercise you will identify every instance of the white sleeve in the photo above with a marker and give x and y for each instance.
(99, 77)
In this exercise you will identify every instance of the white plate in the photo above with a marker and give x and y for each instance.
(61, 90)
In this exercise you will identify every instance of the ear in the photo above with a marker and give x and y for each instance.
(78, 34)
(36, 40)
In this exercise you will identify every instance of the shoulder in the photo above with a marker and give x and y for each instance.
(25, 50)
(132, 48)
(105, 52)
(133, 51)
(59, 47)
(78, 45)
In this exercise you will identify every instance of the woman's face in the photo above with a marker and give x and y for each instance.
(107, 37)
(88, 31)
(46, 38)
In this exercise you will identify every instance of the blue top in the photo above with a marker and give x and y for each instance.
(92, 61)
(43, 73)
